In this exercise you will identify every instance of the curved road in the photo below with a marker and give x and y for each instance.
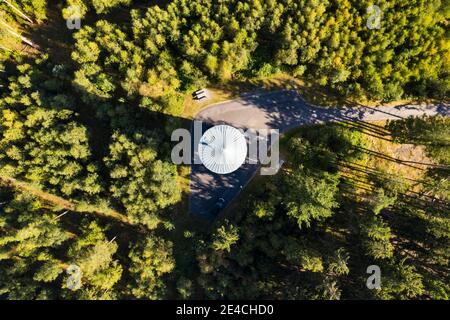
(280, 110)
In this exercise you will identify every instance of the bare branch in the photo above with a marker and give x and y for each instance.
(11, 30)
(18, 11)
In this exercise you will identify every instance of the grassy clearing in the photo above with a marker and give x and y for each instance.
(400, 162)
(405, 153)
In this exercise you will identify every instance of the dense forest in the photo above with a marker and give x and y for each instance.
(86, 178)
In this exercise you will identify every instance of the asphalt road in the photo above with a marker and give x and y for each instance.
(280, 110)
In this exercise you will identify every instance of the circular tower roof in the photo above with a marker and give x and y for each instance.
(222, 149)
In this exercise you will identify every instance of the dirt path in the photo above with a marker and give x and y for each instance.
(61, 202)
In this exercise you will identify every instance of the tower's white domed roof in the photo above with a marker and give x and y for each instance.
(222, 149)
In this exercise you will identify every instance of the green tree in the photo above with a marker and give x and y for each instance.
(225, 236)
(151, 259)
(142, 183)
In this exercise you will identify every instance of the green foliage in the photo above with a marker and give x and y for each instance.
(378, 243)
(274, 258)
(100, 6)
(34, 9)
(180, 45)
(184, 287)
(433, 132)
(304, 258)
(401, 282)
(41, 140)
(151, 259)
(382, 201)
(225, 237)
(85, 179)
(310, 197)
(33, 262)
(27, 234)
(141, 182)
(339, 263)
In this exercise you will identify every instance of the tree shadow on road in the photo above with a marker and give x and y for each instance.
(285, 111)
